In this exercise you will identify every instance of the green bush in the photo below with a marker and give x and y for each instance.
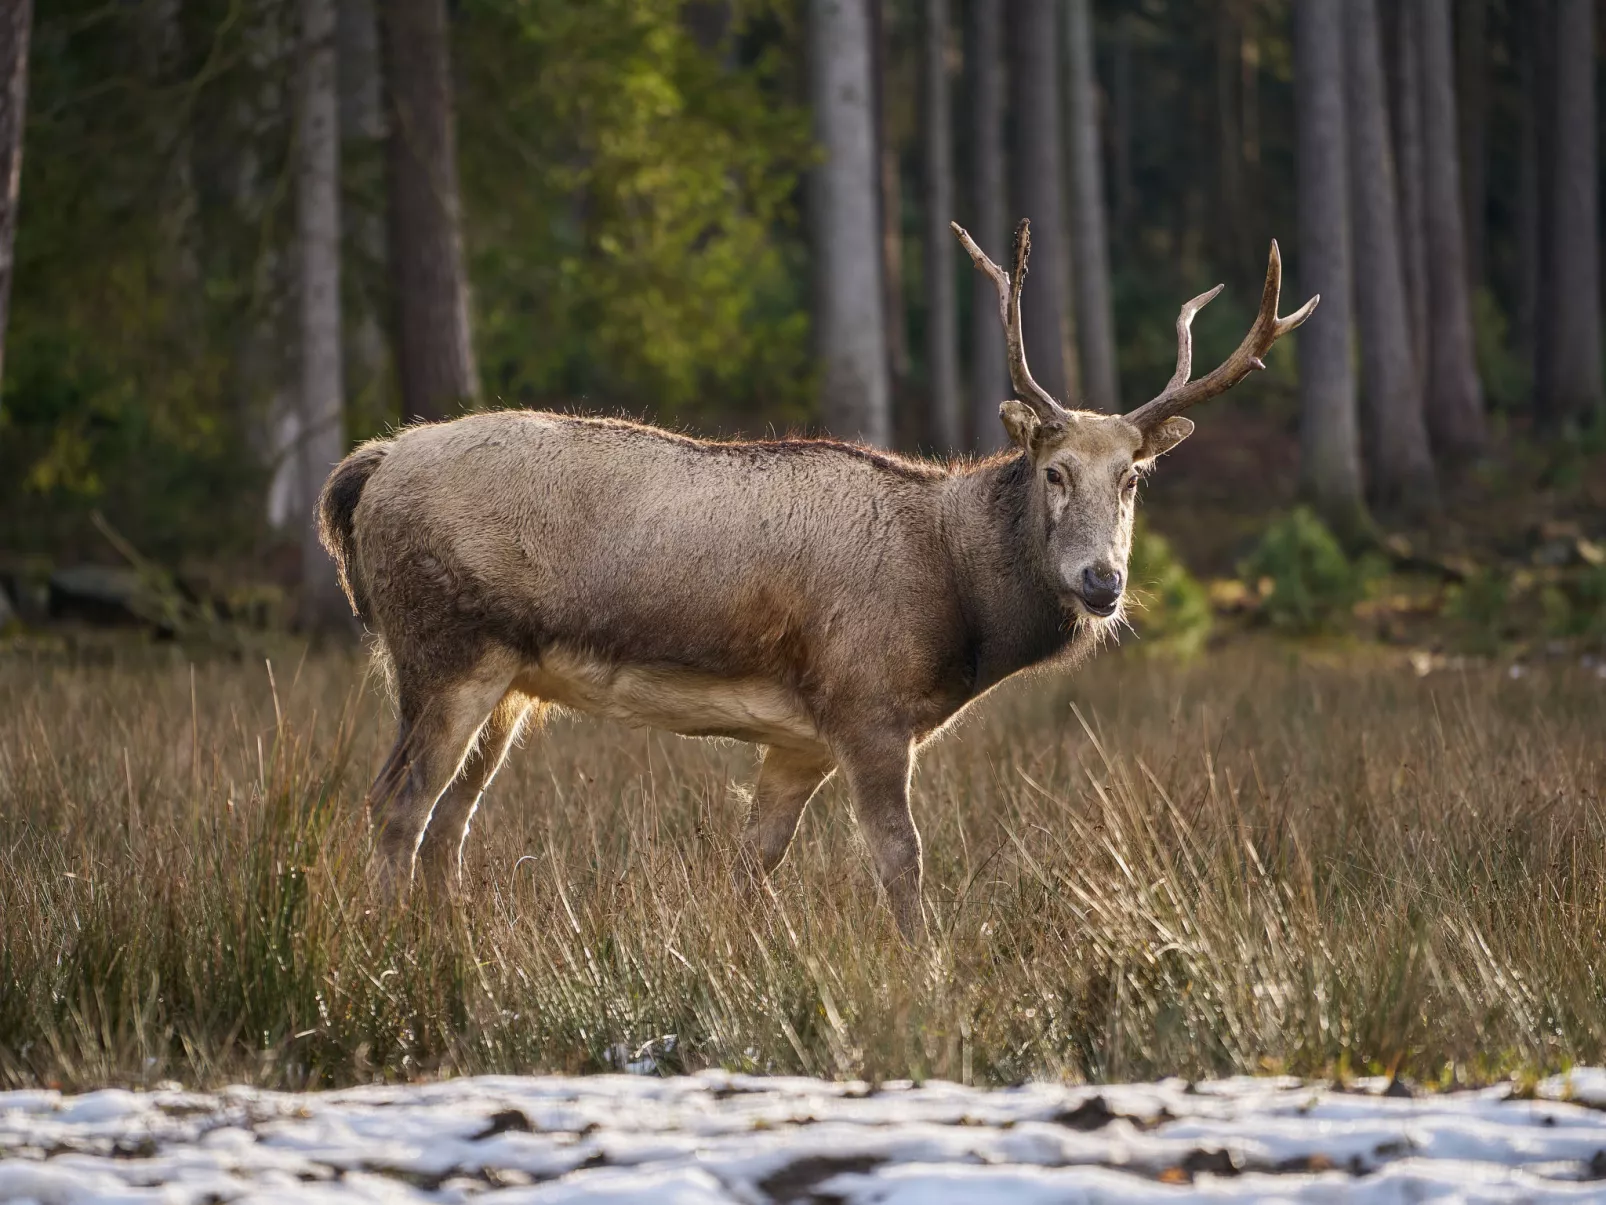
(1589, 601)
(1313, 584)
(1173, 614)
(1577, 606)
(1507, 378)
(1483, 603)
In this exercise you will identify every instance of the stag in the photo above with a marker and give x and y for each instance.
(836, 605)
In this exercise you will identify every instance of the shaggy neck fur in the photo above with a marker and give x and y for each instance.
(1014, 616)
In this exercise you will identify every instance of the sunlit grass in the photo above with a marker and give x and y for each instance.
(1252, 863)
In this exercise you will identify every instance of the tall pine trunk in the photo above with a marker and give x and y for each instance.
(15, 25)
(1542, 43)
(890, 206)
(1095, 319)
(362, 135)
(1036, 193)
(434, 352)
(1330, 466)
(1407, 113)
(1401, 466)
(1570, 308)
(1234, 88)
(322, 441)
(850, 323)
(989, 371)
(947, 423)
(1455, 396)
(1530, 243)
(1472, 111)
(1122, 117)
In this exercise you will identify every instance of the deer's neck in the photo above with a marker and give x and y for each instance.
(1012, 614)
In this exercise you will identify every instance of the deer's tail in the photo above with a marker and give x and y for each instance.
(337, 510)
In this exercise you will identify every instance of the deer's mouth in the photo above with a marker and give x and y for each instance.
(1098, 611)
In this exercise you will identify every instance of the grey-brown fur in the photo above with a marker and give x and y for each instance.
(836, 605)
(864, 599)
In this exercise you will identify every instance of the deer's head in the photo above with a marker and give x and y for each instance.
(1085, 465)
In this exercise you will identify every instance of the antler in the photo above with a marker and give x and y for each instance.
(1181, 393)
(1009, 287)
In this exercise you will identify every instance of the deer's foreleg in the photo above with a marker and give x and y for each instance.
(878, 770)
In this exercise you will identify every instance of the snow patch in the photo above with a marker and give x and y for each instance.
(721, 1139)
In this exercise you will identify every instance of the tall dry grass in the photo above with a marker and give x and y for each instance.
(1255, 862)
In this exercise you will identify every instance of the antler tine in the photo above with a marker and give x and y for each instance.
(1009, 287)
(1185, 336)
(1182, 393)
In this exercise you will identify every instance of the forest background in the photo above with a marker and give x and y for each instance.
(248, 233)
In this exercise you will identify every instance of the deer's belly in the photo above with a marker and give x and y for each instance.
(677, 700)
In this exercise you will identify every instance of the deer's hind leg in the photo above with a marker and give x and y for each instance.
(441, 718)
(440, 856)
(787, 780)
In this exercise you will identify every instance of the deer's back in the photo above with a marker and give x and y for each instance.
(800, 563)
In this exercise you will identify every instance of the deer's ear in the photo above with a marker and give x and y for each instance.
(1020, 421)
(1025, 429)
(1163, 436)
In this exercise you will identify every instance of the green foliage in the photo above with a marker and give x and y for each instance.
(632, 225)
(1482, 604)
(1507, 377)
(1577, 605)
(135, 280)
(630, 222)
(1173, 616)
(1313, 584)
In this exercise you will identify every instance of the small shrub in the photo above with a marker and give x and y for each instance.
(1581, 609)
(1173, 617)
(1313, 584)
(1483, 603)
(1507, 378)
(1590, 599)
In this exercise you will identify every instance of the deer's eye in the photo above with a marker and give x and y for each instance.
(1130, 485)
(1055, 477)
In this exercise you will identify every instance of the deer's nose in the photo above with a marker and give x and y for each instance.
(1101, 586)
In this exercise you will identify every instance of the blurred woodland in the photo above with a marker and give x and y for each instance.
(241, 235)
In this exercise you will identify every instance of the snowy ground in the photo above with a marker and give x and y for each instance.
(717, 1138)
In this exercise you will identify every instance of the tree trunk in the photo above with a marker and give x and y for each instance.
(1254, 184)
(1529, 242)
(1330, 468)
(1121, 120)
(1455, 396)
(1396, 441)
(989, 370)
(1036, 194)
(1570, 310)
(708, 21)
(1407, 113)
(890, 207)
(435, 357)
(1095, 320)
(947, 424)
(850, 325)
(1232, 219)
(1542, 100)
(1471, 70)
(175, 200)
(15, 25)
(265, 370)
(362, 135)
(323, 436)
